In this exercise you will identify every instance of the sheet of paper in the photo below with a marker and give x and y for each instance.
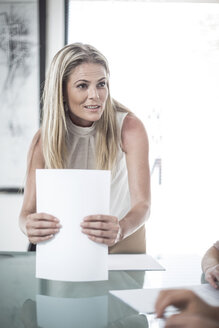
(207, 293)
(133, 262)
(56, 312)
(70, 195)
(143, 300)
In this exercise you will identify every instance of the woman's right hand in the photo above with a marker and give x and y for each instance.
(41, 227)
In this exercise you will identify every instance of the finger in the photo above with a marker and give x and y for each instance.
(161, 301)
(100, 233)
(36, 240)
(41, 228)
(99, 225)
(189, 321)
(42, 232)
(176, 320)
(215, 275)
(100, 217)
(212, 281)
(95, 225)
(101, 240)
(41, 224)
(43, 216)
(183, 321)
(177, 298)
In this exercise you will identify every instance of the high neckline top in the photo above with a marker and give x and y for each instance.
(79, 130)
(81, 154)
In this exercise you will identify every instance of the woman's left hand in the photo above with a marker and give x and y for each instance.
(103, 229)
(212, 276)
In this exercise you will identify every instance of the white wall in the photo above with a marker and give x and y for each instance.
(55, 28)
(11, 237)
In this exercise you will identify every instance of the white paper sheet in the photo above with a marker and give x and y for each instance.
(55, 312)
(133, 262)
(143, 300)
(70, 195)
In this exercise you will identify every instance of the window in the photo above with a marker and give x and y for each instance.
(164, 60)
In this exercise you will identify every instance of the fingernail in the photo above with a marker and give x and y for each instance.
(55, 219)
(58, 225)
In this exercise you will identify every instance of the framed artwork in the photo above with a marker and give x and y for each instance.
(22, 67)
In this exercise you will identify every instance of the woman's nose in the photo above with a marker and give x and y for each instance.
(93, 93)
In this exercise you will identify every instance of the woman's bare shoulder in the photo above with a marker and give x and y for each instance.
(133, 131)
(132, 122)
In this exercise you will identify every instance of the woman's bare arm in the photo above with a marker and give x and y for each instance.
(37, 226)
(107, 229)
(136, 147)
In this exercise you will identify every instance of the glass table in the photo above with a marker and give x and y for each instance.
(26, 301)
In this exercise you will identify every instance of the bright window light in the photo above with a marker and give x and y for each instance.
(164, 61)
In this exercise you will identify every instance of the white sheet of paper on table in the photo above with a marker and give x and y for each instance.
(127, 262)
(70, 195)
(56, 312)
(143, 300)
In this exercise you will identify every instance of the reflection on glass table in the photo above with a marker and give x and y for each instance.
(87, 304)
(29, 302)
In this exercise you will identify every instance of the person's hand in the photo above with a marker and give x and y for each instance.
(185, 300)
(190, 321)
(41, 227)
(103, 229)
(212, 276)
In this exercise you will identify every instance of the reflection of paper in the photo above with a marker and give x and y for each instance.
(143, 300)
(70, 195)
(55, 312)
(133, 262)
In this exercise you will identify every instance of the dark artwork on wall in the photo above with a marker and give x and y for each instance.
(19, 88)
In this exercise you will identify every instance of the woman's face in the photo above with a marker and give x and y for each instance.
(86, 93)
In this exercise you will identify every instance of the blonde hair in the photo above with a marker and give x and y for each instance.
(54, 127)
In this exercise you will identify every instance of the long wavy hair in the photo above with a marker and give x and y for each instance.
(54, 128)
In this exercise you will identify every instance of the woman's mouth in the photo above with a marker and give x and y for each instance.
(92, 108)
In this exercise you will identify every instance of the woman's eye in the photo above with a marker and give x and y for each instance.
(101, 84)
(82, 86)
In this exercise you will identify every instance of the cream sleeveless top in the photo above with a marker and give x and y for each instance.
(80, 143)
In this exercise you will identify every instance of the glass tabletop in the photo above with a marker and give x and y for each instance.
(26, 301)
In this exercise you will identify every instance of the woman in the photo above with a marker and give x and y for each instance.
(84, 128)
